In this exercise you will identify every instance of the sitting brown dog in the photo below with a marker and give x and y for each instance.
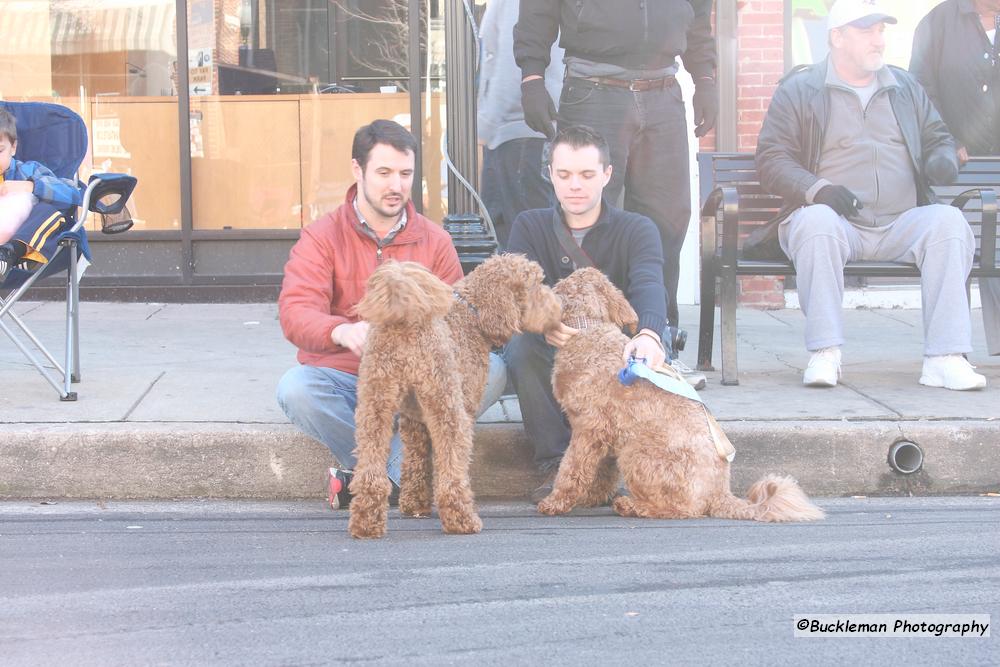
(426, 358)
(661, 442)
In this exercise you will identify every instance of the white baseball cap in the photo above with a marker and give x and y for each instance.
(859, 13)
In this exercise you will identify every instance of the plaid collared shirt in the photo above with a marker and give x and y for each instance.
(367, 230)
(47, 186)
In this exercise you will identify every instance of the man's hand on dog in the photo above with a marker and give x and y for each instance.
(559, 337)
(351, 336)
(645, 345)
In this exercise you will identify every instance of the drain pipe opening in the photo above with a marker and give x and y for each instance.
(906, 457)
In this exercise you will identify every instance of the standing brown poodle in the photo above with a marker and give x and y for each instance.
(426, 358)
(661, 442)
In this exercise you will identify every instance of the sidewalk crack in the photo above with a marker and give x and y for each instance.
(770, 351)
(142, 397)
(871, 398)
(879, 313)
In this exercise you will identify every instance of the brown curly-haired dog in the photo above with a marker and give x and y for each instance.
(427, 357)
(660, 441)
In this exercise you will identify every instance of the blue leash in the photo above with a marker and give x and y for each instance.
(637, 368)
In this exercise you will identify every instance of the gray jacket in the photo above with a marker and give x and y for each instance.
(788, 148)
(500, 117)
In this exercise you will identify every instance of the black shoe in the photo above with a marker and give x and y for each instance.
(337, 482)
(7, 261)
(543, 491)
(338, 494)
(675, 339)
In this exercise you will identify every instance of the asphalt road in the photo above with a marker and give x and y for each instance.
(282, 583)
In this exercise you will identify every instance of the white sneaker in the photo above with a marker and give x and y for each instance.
(951, 371)
(823, 369)
(694, 378)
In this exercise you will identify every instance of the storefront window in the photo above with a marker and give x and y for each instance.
(278, 88)
(809, 34)
(111, 61)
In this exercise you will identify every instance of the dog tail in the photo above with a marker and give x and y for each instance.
(772, 499)
(403, 293)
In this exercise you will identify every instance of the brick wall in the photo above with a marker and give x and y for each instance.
(760, 65)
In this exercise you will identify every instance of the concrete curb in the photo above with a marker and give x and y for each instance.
(158, 460)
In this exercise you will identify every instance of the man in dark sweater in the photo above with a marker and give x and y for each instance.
(625, 246)
(621, 58)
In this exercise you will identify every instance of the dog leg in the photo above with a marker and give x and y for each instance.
(370, 487)
(635, 507)
(623, 506)
(577, 474)
(450, 427)
(604, 486)
(415, 492)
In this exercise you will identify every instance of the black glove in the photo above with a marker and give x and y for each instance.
(705, 104)
(539, 111)
(840, 199)
(941, 170)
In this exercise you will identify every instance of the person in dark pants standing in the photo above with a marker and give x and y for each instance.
(621, 62)
(582, 230)
(512, 179)
(956, 58)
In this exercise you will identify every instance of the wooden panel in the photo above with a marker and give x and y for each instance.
(146, 147)
(247, 172)
(259, 162)
(327, 125)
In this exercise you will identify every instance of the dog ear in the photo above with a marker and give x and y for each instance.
(500, 285)
(403, 292)
(619, 309)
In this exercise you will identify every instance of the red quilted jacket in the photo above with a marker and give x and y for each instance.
(327, 270)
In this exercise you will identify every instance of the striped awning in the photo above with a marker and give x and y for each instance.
(69, 27)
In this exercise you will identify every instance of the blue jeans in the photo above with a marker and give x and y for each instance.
(512, 182)
(321, 402)
(529, 360)
(648, 137)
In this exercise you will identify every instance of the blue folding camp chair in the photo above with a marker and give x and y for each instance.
(57, 138)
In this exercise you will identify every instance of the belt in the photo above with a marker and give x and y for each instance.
(635, 85)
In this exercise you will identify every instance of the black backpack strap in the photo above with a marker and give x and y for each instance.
(568, 243)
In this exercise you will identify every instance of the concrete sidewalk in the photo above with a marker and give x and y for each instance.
(177, 400)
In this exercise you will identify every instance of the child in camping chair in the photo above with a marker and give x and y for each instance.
(31, 201)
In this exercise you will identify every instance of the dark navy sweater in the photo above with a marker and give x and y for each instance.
(625, 246)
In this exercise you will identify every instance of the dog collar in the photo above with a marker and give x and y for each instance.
(462, 299)
(584, 323)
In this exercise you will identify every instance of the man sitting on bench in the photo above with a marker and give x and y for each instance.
(853, 145)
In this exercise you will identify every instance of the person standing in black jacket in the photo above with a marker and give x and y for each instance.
(624, 245)
(956, 58)
(621, 61)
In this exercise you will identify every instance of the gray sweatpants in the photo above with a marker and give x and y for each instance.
(936, 238)
(989, 292)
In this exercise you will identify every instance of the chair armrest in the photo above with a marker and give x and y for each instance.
(709, 231)
(988, 227)
(730, 225)
(729, 199)
(104, 185)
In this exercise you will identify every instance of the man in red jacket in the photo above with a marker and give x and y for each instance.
(325, 278)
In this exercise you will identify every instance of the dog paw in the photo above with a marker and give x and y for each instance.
(623, 506)
(552, 507)
(414, 510)
(366, 527)
(467, 524)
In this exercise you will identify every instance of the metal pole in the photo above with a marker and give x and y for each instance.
(460, 53)
(726, 136)
(416, 113)
(184, 136)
